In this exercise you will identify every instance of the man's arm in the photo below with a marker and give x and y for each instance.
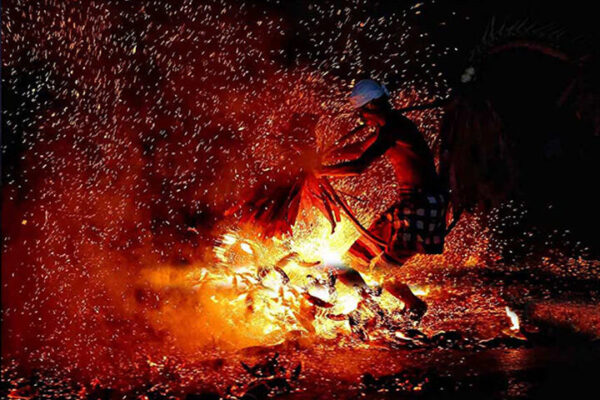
(350, 151)
(360, 164)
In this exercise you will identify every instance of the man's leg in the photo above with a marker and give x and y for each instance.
(364, 250)
(370, 254)
(414, 306)
(366, 253)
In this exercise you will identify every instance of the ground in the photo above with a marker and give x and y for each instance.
(468, 351)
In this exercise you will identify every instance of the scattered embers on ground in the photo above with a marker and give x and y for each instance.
(555, 351)
(270, 378)
(540, 372)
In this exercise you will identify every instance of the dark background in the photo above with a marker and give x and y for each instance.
(568, 183)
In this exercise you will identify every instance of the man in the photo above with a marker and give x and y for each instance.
(416, 222)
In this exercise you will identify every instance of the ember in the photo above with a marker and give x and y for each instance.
(272, 289)
(514, 320)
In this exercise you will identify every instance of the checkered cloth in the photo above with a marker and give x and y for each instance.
(416, 224)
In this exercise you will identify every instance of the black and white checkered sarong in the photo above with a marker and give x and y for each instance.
(416, 224)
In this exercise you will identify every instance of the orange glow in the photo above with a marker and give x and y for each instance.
(263, 291)
(515, 328)
(514, 320)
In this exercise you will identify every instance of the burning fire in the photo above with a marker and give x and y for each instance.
(515, 327)
(514, 320)
(300, 285)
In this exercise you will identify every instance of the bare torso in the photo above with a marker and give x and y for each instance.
(409, 154)
(406, 149)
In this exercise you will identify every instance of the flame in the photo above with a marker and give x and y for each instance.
(514, 320)
(266, 290)
(420, 291)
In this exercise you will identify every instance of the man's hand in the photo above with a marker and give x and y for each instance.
(376, 148)
(349, 168)
(328, 170)
(321, 171)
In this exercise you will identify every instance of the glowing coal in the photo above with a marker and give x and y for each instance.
(267, 290)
